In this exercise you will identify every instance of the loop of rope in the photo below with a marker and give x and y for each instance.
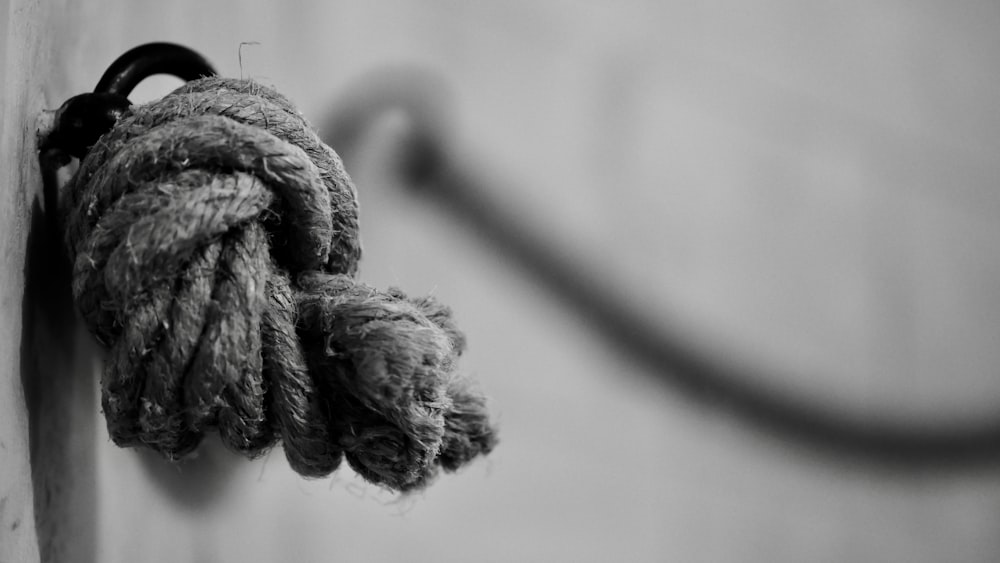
(214, 240)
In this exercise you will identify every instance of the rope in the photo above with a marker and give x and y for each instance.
(214, 242)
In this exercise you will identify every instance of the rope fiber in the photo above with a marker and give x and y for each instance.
(214, 243)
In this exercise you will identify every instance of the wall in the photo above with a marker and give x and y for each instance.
(809, 186)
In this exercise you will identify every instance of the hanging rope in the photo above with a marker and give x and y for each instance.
(214, 242)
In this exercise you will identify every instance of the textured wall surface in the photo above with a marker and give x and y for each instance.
(809, 186)
(18, 187)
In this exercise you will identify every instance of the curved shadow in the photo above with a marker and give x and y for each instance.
(427, 164)
(195, 482)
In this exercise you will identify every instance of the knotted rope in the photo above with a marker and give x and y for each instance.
(214, 242)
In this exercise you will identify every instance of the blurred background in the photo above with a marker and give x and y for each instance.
(801, 193)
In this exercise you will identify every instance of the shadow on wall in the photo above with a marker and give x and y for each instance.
(57, 380)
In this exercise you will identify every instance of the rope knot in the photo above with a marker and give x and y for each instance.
(214, 241)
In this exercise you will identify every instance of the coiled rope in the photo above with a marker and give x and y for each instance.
(214, 243)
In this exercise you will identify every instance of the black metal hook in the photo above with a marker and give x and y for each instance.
(82, 119)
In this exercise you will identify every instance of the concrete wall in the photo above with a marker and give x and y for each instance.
(809, 185)
(38, 337)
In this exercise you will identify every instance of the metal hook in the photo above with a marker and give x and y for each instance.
(82, 119)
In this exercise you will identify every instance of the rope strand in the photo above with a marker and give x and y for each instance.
(214, 240)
